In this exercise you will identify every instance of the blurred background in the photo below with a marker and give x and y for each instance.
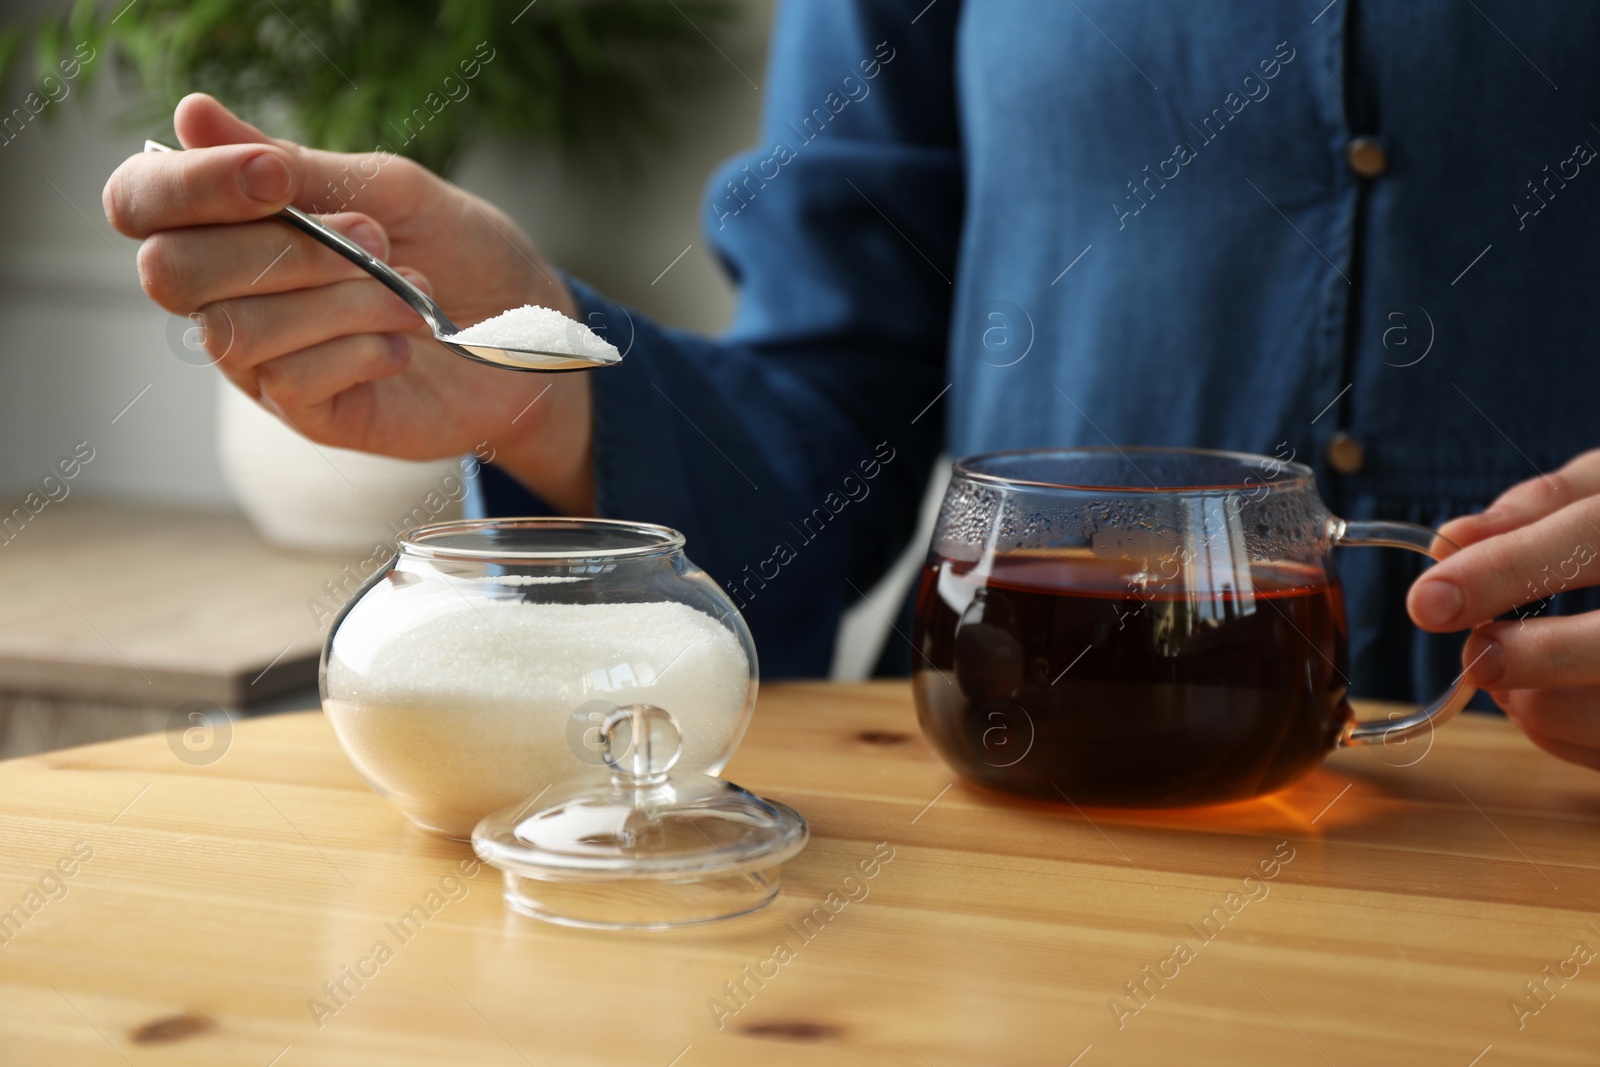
(141, 593)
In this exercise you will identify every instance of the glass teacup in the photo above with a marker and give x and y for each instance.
(1143, 627)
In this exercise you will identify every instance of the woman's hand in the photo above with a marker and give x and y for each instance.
(321, 343)
(1539, 538)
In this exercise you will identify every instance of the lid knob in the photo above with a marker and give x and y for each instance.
(640, 743)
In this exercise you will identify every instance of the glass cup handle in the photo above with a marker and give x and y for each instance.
(1444, 707)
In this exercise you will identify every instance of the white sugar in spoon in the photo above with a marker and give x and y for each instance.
(499, 355)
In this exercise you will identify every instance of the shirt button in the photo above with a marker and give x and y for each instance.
(1366, 157)
(1345, 454)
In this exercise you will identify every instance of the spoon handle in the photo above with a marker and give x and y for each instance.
(420, 302)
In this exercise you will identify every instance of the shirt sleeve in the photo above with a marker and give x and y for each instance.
(793, 451)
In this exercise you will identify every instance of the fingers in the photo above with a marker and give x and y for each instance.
(1492, 576)
(232, 172)
(1537, 539)
(244, 333)
(186, 269)
(1543, 653)
(327, 181)
(297, 384)
(1563, 722)
(202, 122)
(230, 183)
(1582, 755)
(1530, 501)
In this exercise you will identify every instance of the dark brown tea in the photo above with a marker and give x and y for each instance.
(1063, 676)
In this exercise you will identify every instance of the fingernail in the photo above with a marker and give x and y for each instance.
(1486, 661)
(1436, 603)
(417, 280)
(368, 236)
(265, 178)
(399, 346)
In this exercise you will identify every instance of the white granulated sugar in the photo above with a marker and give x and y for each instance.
(532, 579)
(455, 715)
(538, 329)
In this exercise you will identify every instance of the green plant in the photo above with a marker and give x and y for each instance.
(353, 75)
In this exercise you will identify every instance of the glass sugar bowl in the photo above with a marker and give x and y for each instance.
(480, 668)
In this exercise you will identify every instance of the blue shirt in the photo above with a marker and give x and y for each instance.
(982, 224)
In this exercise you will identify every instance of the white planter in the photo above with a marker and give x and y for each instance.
(309, 496)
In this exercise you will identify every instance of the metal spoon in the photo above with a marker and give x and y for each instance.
(443, 329)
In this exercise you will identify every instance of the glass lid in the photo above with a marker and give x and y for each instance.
(641, 847)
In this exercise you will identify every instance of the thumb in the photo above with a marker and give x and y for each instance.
(323, 181)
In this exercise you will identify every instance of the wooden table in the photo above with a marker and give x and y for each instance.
(112, 616)
(1409, 907)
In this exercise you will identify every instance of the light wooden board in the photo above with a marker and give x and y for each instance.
(219, 899)
(141, 606)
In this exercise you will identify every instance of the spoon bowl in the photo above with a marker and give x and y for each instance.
(523, 359)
